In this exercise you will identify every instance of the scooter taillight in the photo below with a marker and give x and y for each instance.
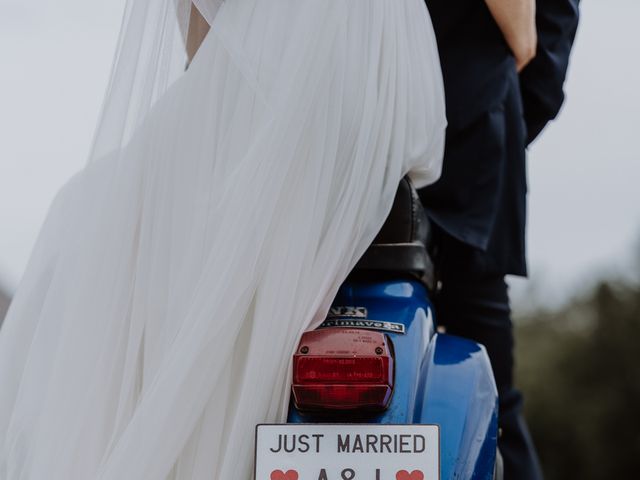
(343, 369)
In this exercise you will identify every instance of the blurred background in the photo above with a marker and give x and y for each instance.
(578, 316)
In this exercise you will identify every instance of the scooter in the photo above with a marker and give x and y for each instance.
(379, 392)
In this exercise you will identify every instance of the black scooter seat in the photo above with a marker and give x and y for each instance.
(401, 244)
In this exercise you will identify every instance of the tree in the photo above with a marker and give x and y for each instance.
(580, 371)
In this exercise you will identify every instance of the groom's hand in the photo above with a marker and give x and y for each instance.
(517, 21)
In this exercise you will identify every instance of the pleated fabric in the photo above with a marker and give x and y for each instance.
(156, 321)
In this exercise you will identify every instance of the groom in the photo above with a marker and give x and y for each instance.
(502, 87)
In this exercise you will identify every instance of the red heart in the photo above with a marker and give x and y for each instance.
(404, 475)
(280, 475)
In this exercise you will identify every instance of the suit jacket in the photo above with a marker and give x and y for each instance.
(493, 114)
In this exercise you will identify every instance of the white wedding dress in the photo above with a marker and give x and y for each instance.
(156, 321)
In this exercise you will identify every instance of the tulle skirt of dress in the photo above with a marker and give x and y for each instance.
(155, 324)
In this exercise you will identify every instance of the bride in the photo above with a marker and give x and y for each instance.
(221, 208)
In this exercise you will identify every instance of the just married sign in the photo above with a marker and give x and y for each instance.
(347, 452)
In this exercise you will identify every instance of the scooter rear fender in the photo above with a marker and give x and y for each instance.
(440, 379)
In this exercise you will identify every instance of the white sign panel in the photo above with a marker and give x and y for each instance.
(347, 452)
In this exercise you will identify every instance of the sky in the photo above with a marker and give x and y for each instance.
(584, 171)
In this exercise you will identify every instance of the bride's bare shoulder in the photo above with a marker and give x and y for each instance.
(198, 29)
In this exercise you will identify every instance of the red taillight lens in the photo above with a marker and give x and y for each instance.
(349, 370)
(337, 368)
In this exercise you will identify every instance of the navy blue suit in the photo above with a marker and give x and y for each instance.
(493, 114)
(478, 207)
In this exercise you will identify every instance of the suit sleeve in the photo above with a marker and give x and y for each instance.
(542, 80)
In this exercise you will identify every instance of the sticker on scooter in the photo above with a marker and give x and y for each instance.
(413, 475)
(346, 474)
(365, 324)
(347, 311)
(280, 475)
(347, 452)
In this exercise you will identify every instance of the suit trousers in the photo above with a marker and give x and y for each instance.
(472, 301)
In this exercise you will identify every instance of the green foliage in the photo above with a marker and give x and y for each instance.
(580, 371)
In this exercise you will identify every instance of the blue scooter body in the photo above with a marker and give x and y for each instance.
(440, 379)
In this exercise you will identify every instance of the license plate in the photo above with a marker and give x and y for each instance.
(347, 452)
